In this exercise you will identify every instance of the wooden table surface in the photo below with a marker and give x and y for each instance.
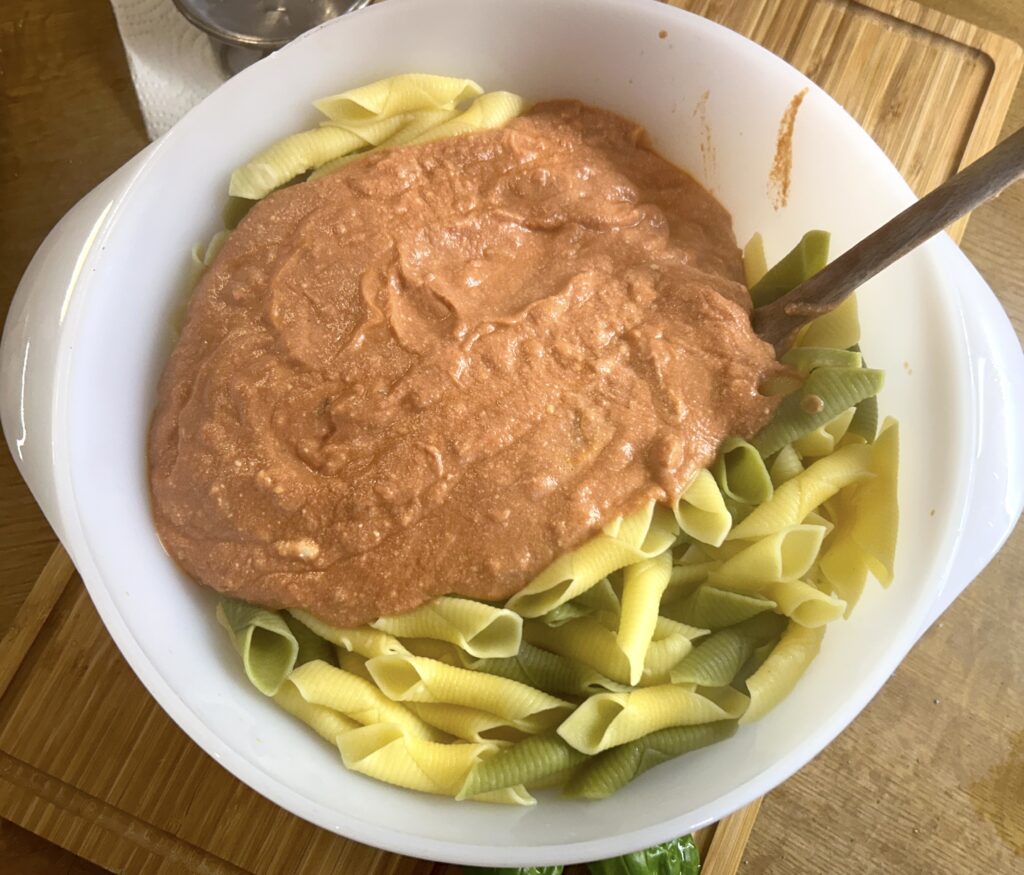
(930, 778)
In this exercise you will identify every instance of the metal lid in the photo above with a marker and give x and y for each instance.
(263, 24)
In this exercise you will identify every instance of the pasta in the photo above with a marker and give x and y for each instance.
(364, 641)
(701, 511)
(354, 697)
(487, 111)
(417, 679)
(782, 669)
(865, 419)
(610, 719)
(716, 661)
(385, 752)
(549, 672)
(867, 520)
(413, 124)
(806, 358)
(396, 95)
(643, 585)
(785, 554)
(796, 498)
(263, 640)
(310, 645)
(324, 721)
(741, 473)
(602, 775)
(470, 724)
(839, 329)
(290, 157)
(600, 597)
(804, 603)
(526, 763)
(672, 641)
(442, 651)
(805, 259)
(713, 608)
(663, 633)
(755, 263)
(685, 579)
(355, 664)
(593, 643)
(477, 628)
(786, 465)
(824, 439)
(400, 110)
(826, 393)
(639, 536)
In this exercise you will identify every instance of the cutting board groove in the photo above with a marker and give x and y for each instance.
(90, 762)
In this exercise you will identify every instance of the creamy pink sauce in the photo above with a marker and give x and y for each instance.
(443, 366)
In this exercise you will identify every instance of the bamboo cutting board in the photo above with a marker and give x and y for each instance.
(88, 760)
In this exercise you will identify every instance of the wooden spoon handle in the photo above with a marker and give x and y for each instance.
(972, 186)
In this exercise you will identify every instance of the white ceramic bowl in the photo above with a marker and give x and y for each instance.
(88, 335)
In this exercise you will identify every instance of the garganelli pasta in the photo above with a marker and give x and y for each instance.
(478, 629)
(661, 634)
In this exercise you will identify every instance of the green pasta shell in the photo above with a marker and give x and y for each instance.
(548, 672)
(755, 661)
(865, 416)
(605, 773)
(806, 358)
(602, 598)
(785, 466)
(236, 209)
(716, 661)
(712, 608)
(838, 389)
(263, 640)
(803, 261)
(311, 645)
(738, 510)
(865, 419)
(527, 762)
(741, 473)
(562, 614)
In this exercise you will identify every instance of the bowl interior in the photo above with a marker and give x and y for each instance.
(713, 103)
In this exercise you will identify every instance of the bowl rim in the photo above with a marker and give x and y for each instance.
(348, 824)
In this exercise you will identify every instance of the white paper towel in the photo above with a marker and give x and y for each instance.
(173, 64)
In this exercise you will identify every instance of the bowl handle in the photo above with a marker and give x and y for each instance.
(32, 338)
(997, 364)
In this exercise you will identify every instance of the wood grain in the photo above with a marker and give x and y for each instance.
(25, 853)
(729, 843)
(74, 685)
(34, 613)
(895, 793)
(68, 118)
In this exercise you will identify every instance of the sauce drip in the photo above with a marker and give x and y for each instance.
(779, 176)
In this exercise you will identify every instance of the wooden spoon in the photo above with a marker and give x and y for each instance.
(985, 178)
